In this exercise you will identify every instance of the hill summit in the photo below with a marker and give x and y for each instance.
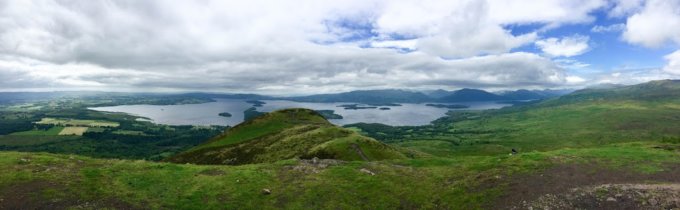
(286, 134)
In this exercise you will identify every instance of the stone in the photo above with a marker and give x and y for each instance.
(653, 201)
(611, 199)
(266, 191)
(363, 170)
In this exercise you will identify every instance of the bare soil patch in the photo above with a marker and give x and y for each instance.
(33, 195)
(525, 191)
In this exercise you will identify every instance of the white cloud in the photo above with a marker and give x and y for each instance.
(609, 28)
(400, 44)
(276, 46)
(658, 23)
(565, 46)
(631, 76)
(575, 79)
(673, 65)
(622, 8)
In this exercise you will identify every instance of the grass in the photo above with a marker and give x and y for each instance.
(129, 132)
(268, 124)
(49, 132)
(77, 131)
(77, 122)
(31, 140)
(544, 128)
(441, 182)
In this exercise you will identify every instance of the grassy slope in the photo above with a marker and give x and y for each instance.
(620, 132)
(441, 182)
(548, 127)
(283, 135)
(49, 132)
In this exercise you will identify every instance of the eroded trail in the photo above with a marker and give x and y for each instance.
(585, 186)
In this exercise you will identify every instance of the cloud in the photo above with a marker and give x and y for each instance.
(631, 76)
(565, 46)
(278, 47)
(658, 23)
(609, 28)
(622, 8)
(673, 65)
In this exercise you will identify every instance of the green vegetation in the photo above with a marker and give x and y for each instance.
(78, 131)
(37, 132)
(329, 114)
(256, 103)
(357, 106)
(77, 122)
(464, 160)
(251, 113)
(286, 134)
(421, 183)
(449, 106)
(570, 121)
(120, 135)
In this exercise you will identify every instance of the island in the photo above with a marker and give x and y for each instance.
(449, 106)
(356, 106)
(251, 113)
(384, 108)
(329, 114)
(256, 103)
(383, 104)
(225, 114)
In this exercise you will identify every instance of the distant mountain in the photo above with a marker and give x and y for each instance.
(367, 96)
(524, 94)
(605, 86)
(649, 91)
(230, 96)
(439, 93)
(287, 134)
(467, 95)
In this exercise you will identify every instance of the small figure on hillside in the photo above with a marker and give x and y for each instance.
(514, 151)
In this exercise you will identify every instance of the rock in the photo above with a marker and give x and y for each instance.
(653, 201)
(611, 199)
(315, 160)
(618, 195)
(363, 170)
(266, 191)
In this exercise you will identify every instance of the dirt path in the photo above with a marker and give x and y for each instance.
(574, 184)
(31, 195)
(613, 196)
(360, 152)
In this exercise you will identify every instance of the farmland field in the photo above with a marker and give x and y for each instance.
(78, 131)
(77, 122)
(49, 132)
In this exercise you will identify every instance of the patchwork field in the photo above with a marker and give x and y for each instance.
(50, 132)
(78, 131)
(77, 122)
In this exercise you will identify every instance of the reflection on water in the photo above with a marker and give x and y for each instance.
(207, 113)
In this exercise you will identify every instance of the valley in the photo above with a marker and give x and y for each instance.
(607, 144)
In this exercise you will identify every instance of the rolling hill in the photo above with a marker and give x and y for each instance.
(286, 134)
(649, 91)
(594, 149)
(367, 96)
(466, 94)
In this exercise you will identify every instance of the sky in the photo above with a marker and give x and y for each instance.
(301, 47)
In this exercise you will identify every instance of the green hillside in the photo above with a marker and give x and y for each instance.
(51, 181)
(578, 151)
(586, 118)
(285, 134)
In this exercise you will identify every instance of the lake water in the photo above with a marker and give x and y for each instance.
(207, 113)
